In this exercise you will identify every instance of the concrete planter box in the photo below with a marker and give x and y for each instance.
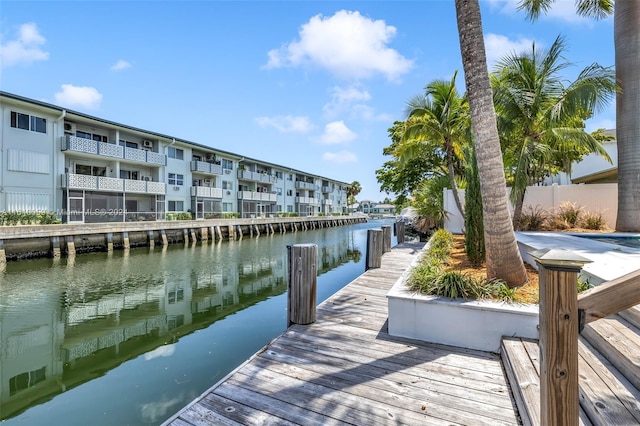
(469, 324)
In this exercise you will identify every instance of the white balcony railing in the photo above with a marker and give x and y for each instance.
(307, 200)
(203, 167)
(327, 202)
(257, 196)
(206, 192)
(101, 183)
(88, 146)
(257, 176)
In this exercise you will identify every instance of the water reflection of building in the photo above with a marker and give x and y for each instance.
(75, 331)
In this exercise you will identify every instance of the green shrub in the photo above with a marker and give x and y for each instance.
(583, 285)
(570, 213)
(593, 221)
(532, 219)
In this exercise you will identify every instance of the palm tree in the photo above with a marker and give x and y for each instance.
(441, 116)
(626, 23)
(540, 120)
(353, 190)
(503, 257)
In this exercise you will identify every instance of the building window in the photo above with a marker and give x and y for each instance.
(279, 191)
(227, 207)
(82, 169)
(176, 153)
(175, 206)
(176, 179)
(93, 136)
(227, 164)
(289, 208)
(26, 380)
(128, 144)
(289, 192)
(28, 122)
(289, 176)
(227, 184)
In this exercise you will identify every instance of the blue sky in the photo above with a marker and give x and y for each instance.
(306, 84)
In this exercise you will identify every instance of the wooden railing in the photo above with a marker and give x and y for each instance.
(563, 315)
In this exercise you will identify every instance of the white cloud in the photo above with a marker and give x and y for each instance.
(340, 157)
(344, 99)
(25, 49)
(162, 351)
(286, 123)
(120, 65)
(336, 133)
(79, 96)
(498, 46)
(346, 44)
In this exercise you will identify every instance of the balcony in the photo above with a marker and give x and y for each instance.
(257, 196)
(307, 200)
(204, 167)
(206, 192)
(327, 202)
(307, 185)
(101, 183)
(326, 189)
(103, 149)
(256, 176)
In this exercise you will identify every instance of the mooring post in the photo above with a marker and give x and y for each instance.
(301, 289)
(71, 246)
(386, 237)
(163, 237)
(374, 248)
(125, 241)
(109, 241)
(152, 242)
(558, 287)
(55, 247)
(3, 256)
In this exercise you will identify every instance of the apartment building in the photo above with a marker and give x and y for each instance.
(91, 170)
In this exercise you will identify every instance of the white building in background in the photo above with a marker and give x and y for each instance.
(93, 170)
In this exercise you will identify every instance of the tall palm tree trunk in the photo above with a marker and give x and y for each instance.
(503, 257)
(627, 46)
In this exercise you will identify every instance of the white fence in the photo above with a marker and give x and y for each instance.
(595, 198)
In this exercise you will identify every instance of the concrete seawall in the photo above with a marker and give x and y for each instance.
(32, 241)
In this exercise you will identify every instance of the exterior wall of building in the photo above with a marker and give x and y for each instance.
(78, 165)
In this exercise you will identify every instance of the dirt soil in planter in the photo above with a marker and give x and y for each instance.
(528, 293)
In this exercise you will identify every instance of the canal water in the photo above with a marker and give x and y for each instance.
(130, 338)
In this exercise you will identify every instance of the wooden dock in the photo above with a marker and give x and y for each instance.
(346, 369)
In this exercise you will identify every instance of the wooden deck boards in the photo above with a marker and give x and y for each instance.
(346, 369)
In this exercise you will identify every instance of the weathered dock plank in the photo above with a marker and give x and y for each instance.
(346, 369)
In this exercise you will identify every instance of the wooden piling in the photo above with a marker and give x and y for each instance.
(152, 242)
(3, 256)
(71, 246)
(55, 247)
(399, 228)
(301, 289)
(386, 239)
(374, 248)
(163, 237)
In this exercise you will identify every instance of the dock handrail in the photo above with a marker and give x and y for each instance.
(563, 314)
(609, 298)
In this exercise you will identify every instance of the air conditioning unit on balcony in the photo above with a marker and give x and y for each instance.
(147, 144)
(207, 182)
(176, 188)
(70, 129)
(228, 192)
(227, 171)
(147, 178)
(211, 157)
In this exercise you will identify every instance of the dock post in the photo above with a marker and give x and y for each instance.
(398, 230)
(163, 237)
(3, 256)
(125, 240)
(374, 248)
(230, 233)
(204, 234)
(71, 246)
(386, 238)
(109, 241)
(152, 242)
(55, 247)
(301, 289)
(559, 321)
(239, 231)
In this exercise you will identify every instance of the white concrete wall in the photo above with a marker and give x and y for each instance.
(596, 198)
